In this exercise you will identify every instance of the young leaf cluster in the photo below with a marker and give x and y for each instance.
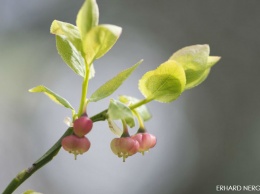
(79, 46)
(185, 69)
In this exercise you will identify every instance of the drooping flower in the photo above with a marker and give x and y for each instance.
(145, 140)
(75, 145)
(124, 147)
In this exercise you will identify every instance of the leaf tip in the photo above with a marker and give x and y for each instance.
(53, 27)
(32, 89)
(212, 60)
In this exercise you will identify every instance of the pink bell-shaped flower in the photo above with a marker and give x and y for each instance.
(124, 147)
(145, 140)
(75, 145)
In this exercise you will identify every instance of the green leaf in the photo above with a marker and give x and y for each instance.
(118, 110)
(195, 60)
(68, 30)
(201, 76)
(70, 55)
(142, 110)
(192, 57)
(110, 86)
(99, 40)
(64, 28)
(165, 83)
(114, 128)
(55, 97)
(69, 46)
(212, 60)
(87, 17)
(31, 192)
(199, 79)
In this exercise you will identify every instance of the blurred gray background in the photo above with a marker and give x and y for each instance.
(208, 137)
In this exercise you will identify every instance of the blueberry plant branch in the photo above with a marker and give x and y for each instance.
(80, 46)
(49, 155)
(46, 158)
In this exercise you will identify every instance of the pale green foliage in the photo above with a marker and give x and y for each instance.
(212, 60)
(163, 84)
(196, 62)
(70, 55)
(141, 110)
(110, 86)
(192, 57)
(69, 45)
(87, 17)
(118, 111)
(55, 97)
(99, 41)
(79, 46)
(68, 30)
(200, 77)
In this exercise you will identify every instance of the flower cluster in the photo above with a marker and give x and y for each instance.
(129, 145)
(78, 143)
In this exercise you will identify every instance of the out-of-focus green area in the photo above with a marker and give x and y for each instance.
(208, 137)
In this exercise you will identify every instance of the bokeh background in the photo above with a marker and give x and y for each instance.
(208, 137)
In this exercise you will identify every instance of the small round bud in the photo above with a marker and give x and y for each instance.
(75, 145)
(145, 140)
(124, 147)
(82, 126)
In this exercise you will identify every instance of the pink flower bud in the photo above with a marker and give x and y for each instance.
(124, 147)
(82, 126)
(145, 140)
(75, 145)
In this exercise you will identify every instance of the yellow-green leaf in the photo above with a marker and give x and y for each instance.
(165, 83)
(199, 79)
(200, 76)
(99, 40)
(110, 86)
(192, 57)
(53, 96)
(119, 111)
(70, 55)
(87, 17)
(196, 62)
(212, 60)
(68, 30)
